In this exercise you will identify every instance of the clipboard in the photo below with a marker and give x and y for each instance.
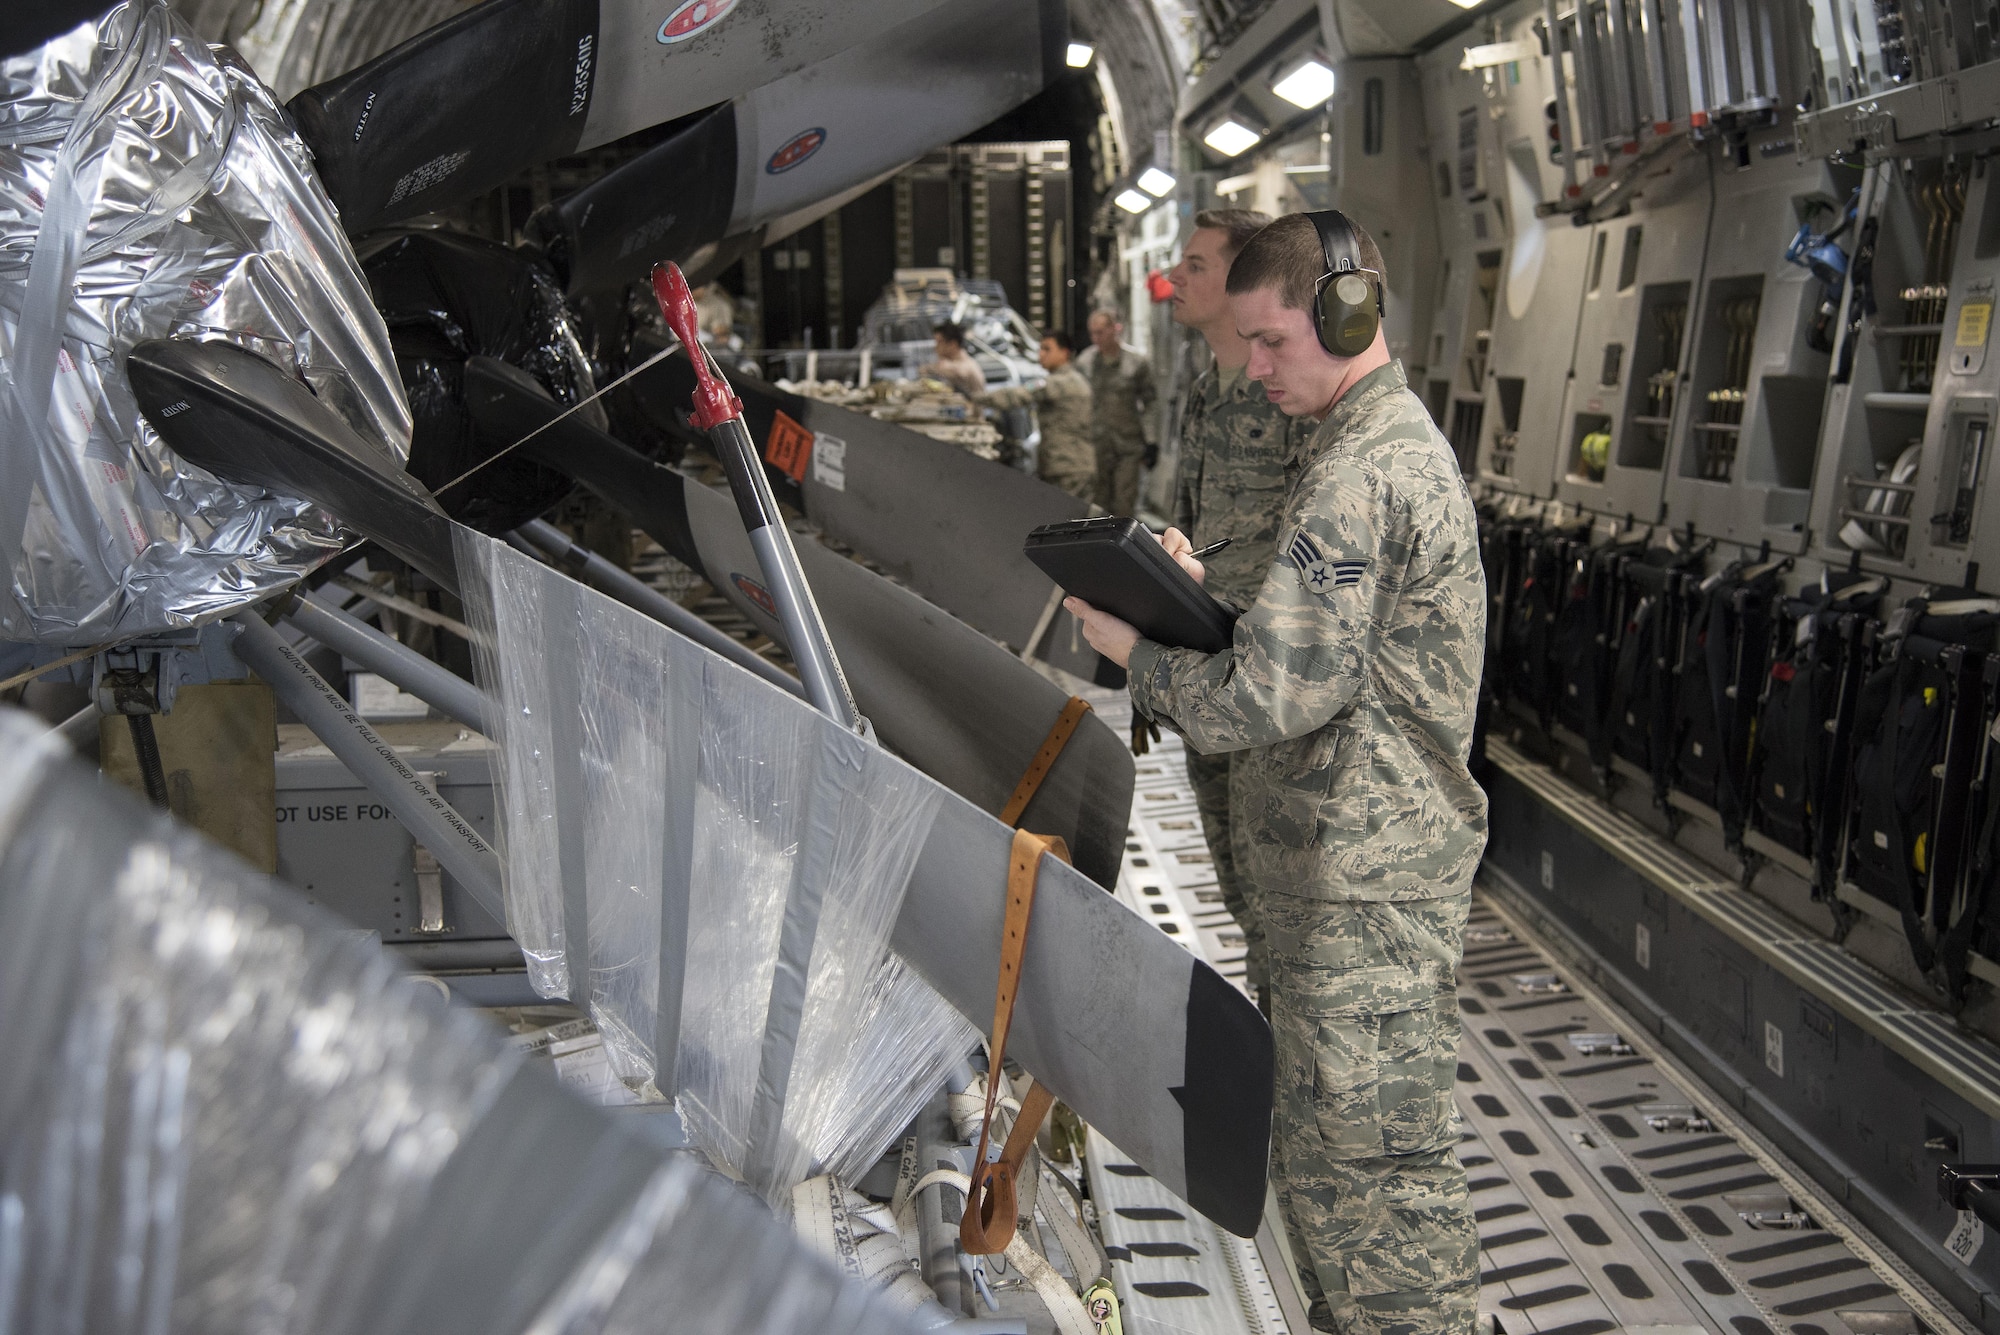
(1116, 564)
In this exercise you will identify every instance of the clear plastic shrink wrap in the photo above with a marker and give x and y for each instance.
(223, 1113)
(665, 815)
(151, 187)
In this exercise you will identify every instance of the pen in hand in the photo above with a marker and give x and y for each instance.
(1211, 549)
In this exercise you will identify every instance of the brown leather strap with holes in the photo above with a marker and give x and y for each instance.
(988, 1224)
(1038, 768)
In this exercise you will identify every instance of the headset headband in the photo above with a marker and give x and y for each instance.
(1336, 240)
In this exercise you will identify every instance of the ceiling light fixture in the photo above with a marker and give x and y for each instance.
(1080, 54)
(1310, 85)
(1156, 182)
(1231, 138)
(1133, 202)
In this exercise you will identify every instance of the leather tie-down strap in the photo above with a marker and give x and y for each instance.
(989, 1220)
(1045, 758)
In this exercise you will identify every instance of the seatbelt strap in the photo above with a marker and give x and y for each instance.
(989, 1218)
(1045, 759)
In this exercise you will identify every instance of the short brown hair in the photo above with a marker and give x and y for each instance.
(1240, 224)
(1287, 255)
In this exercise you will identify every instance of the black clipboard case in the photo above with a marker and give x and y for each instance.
(1116, 564)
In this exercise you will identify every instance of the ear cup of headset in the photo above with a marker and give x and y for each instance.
(1348, 316)
(1348, 308)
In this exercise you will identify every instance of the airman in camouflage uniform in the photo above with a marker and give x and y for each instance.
(1235, 448)
(1063, 413)
(1122, 396)
(1348, 696)
(1234, 467)
(1348, 699)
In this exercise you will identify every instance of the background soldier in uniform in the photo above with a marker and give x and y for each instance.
(1231, 482)
(1062, 411)
(1349, 694)
(1121, 397)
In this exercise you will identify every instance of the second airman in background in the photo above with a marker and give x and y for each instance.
(1236, 449)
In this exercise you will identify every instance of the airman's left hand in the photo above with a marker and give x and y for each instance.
(1107, 634)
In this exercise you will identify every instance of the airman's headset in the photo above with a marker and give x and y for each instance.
(1347, 301)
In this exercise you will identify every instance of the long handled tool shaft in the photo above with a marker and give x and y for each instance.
(719, 412)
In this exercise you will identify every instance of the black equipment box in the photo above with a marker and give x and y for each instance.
(1117, 565)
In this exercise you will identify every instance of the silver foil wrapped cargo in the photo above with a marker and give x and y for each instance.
(151, 187)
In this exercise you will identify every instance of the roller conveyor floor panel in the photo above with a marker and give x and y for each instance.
(1611, 1192)
(1612, 1195)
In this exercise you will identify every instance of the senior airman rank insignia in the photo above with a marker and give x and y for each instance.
(1318, 574)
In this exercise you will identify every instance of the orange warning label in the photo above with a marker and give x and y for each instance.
(790, 447)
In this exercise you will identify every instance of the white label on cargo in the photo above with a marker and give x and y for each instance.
(1966, 1237)
(829, 461)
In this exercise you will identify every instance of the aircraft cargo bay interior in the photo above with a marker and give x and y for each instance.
(1027, 667)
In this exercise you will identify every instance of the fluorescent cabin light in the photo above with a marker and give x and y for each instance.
(1156, 182)
(1133, 202)
(1310, 85)
(1080, 54)
(1467, 4)
(1231, 138)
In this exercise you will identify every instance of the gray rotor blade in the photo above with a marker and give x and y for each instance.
(806, 138)
(1146, 1042)
(458, 109)
(945, 522)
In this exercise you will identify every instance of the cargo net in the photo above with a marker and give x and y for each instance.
(226, 1113)
(712, 869)
(151, 187)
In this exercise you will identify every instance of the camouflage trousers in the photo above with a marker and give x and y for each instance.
(1118, 477)
(1209, 777)
(1078, 481)
(1069, 462)
(1367, 1030)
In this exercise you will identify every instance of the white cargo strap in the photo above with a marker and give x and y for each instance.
(1050, 1287)
(965, 1109)
(1085, 1258)
(860, 1238)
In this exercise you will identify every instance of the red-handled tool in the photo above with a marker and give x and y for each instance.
(719, 412)
(714, 402)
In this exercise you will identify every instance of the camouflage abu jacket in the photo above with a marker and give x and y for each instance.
(1122, 395)
(1238, 455)
(1062, 411)
(1351, 685)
